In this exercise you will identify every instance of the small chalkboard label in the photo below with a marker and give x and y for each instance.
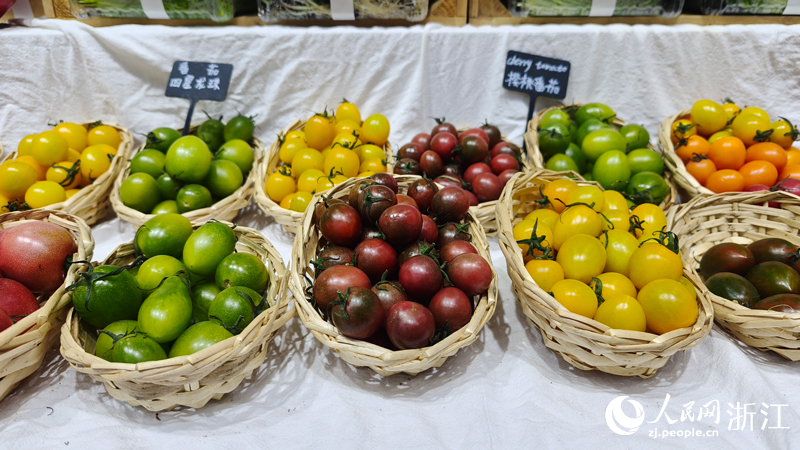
(536, 76)
(198, 81)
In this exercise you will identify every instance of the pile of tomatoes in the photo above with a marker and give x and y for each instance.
(397, 270)
(601, 261)
(328, 151)
(175, 174)
(187, 291)
(583, 140)
(54, 165)
(477, 159)
(726, 148)
(762, 275)
(32, 261)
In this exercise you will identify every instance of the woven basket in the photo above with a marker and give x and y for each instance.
(92, 202)
(582, 342)
(195, 379)
(537, 159)
(289, 219)
(226, 209)
(360, 353)
(742, 218)
(673, 161)
(24, 344)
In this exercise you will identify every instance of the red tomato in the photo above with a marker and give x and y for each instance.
(470, 273)
(16, 300)
(410, 325)
(34, 253)
(451, 307)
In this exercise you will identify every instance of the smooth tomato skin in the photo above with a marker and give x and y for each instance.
(361, 315)
(198, 337)
(207, 247)
(376, 257)
(444, 127)
(772, 249)
(373, 201)
(389, 293)
(113, 298)
(5, 320)
(341, 225)
(33, 254)
(501, 163)
(403, 199)
(621, 312)
(410, 325)
(487, 187)
(16, 300)
(773, 278)
(582, 257)
(422, 192)
(401, 224)
(505, 148)
(387, 180)
(166, 313)
(505, 176)
(474, 132)
(137, 348)
(337, 278)
(451, 306)
(473, 199)
(429, 231)
(473, 149)
(449, 233)
(475, 170)
(423, 140)
(164, 235)
(450, 204)
(727, 257)
(420, 278)
(333, 255)
(455, 248)
(470, 273)
(444, 143)
(449, 181)
(652, 261)
(667, 306)
(431, 164)
(233, 308)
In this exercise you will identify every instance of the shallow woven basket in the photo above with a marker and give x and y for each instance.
(195, 379)
(289, 219)
(92, 202)
(226, 209)
(360, 353)
(24, 344)
(742, 218)
(537, 159)
(673, 161)
(583, 342)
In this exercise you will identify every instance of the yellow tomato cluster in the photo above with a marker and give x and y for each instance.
(54, 165)
(329, 150)
(602, 261)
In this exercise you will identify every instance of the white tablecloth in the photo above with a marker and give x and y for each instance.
(506, 390)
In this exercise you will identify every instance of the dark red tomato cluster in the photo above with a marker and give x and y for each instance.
(762, 275)
(32, 260)
(397, 270)
(476, 160)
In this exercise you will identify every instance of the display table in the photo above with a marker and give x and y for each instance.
(506, 390)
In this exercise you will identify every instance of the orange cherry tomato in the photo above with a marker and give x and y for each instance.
(695, 145)
(792, 157)
(767, 151)
(728, 153)
(759, 172)
(790, 171)
(558, 191)
(701, 168)
(726, 180)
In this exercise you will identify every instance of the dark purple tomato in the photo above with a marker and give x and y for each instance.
(337, 279)
(727, 257)
(475, 132)
(506, 175)
(423, 139)
(449, 181)
(422, 192)
(487, 187)
(421, 278)
(733, 287)
(354, 196)
(773, 249)
(374, 200)
(473, 200)
(431, 164)
(773, 278)
(442, 126)
(450, 205)
(415, 249)
(451, 232)
(493, 133)
(403, 199)
(332, 255)
(376, 258)
(785, 303)
(473, 149)
(452, 170)
(381, 338)
(360, 313)
(389, 293)
(320, 207)
(505, 148)
(407, 166)
(444, 144)
(502, 163)
(401, 225)
(475, 169)
(455, 248)
(429, 232)
(470, 273)
(371, 233)
(410, 325)
(411, 151)
(385, 179)
(340, 224)
(451, 307)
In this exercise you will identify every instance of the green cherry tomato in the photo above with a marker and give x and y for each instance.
(240, 127)
(168, 186)
(140, 192)
(554, 138)
(601, 141)
(560, 163)
(242, 269)
(119, 329)
(167, 311)
(635, 135)
(575, 154)
(137, 348)
(611, 170)
(597, 111)
(156, 269)
(203, 294)
(113, 297)
(188, 159)
(234, 308)
(586, 128)
(165, 207)
(164, 235)
(647, 187)
(207, 247)
(148, 161)
(161, 138)
(224, 178)
(192, 197)
(645, 160)
(212, 132)
(557, 115)
(238, 152)
(198, 337)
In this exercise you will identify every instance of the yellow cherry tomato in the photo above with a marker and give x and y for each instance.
(725, 132)
(341, 160)
(287, 201)
(61, 174)
(348, 111)
(783, 133)
(76, 135)
(615, 220)
(300, 201)
(591, 195)
(545, 272)
(667, 306)
(103, 134)
(319, 131)
(94, 163)
(531, 233)
(616, 283)
(25, 146)
(682, 129)
(289, 148)
(731, 110)
(375, 129)
(73, 155)
(44, 193)
(105, 148)
(348, 126)
(652, 261)
(3, 204)
(619, 245)
(582, 257)
(307, 158)
(328, 182)
(280, 184)
(749, 127)
(557, 193)
(577, 297)
(545, 216)
(368, 151)
(758, 112)
(49, 147)
(295, 134)
(709, 117)
(71, 192)
(15, 178)
(689, 287)
(621, 312)
(308, 180)
(373, 165)
(575, 220)
(325, 152)
(346, 140)
(651, 219)
(365, 174)
(614, 201)
(41, 171)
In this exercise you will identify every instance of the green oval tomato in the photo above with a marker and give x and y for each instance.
(167, 311)
(647, 187)
(773, 278)
(140, 192)
(168, 186)
(238, 152)
(137, 348)
(203, 294)
(150, 162)
(224, 178)
(560, 163)
(207, 247)
(119, 329)
(165, 207)
(161, 138)
(587, 127)
(574, 152)
(553, 138)
(234, 308)
(242, 269)
(188, 159)
(240, 127)
(557, 115)
(635, 135)
(192, 197)
(212, 132)
(733, 287)
(156, 269)
(597, 111)
(611, 170)
(645, 160)
(164, 235)
(601, 141)
(113, 297)
(198, 337)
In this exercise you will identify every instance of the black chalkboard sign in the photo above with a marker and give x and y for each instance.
(198, 81)
(536, 76)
